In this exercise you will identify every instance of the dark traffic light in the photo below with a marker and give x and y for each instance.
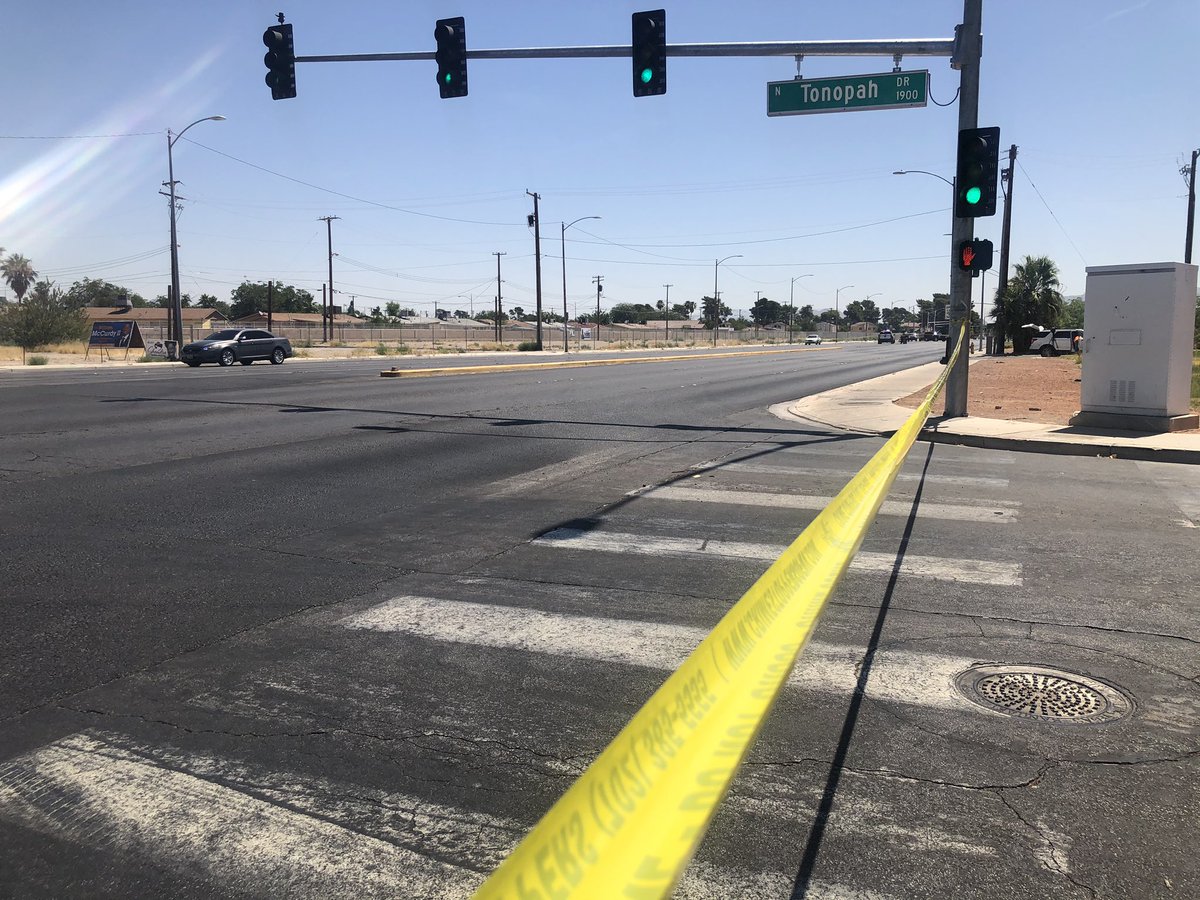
(281, 61)
(975, 182)
(650, 53)
(451, 55)
(975, 256)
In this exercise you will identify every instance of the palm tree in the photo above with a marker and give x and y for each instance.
(18, 272)
(1032, 296)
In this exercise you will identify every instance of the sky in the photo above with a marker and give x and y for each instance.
(1099, 96)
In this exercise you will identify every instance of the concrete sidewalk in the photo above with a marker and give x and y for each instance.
(869, 407)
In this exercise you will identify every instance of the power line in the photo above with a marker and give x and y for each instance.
(1049, 210)
(70, 137)
(317, 187)
(775, 240)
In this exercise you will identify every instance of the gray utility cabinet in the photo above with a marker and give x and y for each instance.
(1137, 345)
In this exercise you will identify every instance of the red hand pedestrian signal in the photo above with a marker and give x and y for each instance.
(975, 256)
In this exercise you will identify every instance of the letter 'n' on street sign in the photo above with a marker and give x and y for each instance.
(848, 93)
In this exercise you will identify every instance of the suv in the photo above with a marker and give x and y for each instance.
(886, 337)
(1060, 340)
(812, 338)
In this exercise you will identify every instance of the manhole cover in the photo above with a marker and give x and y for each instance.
(1034, 692)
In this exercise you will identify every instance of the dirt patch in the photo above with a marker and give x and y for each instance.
(1018, 388)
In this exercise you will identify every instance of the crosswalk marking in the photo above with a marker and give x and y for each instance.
(949, 511)
(105, 791)
(806, 472)
(973, 571)
(920, 679)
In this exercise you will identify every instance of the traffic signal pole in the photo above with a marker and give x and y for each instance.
(962, 229)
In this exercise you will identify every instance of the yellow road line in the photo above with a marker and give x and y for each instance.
(576, 363)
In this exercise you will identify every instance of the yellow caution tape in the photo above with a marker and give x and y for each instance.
(630, 823)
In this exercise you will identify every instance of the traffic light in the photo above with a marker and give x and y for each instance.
(451, 56)
(281, 61)
(975, 256)
(975, 183)
(649, 53)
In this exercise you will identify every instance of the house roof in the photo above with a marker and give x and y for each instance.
(191, 314)
(298, 318)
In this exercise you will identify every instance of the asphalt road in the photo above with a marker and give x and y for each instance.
(306, 631)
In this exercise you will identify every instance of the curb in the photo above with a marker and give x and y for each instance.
(1060, 448)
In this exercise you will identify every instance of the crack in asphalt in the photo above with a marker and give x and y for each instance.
(900, 776)
(413, 738)
(1029, 623)
(1050, 860)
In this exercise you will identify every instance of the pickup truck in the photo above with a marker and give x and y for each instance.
(1051, 342)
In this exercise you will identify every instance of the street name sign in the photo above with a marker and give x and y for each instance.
(848, 93)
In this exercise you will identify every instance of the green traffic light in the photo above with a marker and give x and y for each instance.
(449, 78)
(974, 195)
(647, 74)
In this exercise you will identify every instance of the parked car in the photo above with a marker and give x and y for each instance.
(1059, 340)
(886, 337)
(907, 336)
(812, 338)
(231, 345)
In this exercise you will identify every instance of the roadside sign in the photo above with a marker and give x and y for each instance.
(848, 93)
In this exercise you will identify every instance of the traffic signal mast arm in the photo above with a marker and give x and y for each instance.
(902, 47)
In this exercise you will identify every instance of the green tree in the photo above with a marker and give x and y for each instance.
(1032, 297)
(98, 292)
(853, 312)
(251, 297)
(44, 318)
(518, 312)
(392, 310)
(637, 313)
(684, 310)
(1072, 313)
(18, 272)
(767, 312)
(185, 301)
(709, 309)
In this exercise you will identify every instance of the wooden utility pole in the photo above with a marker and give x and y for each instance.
(1006, 177)
(537, 262)
(1191, 217)
(327, 309)
(499, 297)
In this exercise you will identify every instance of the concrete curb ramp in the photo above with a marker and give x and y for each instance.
(579, 363)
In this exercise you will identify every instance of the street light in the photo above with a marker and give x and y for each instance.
(868, 297)
(792, 304)
(566, 337)
(837, 308)
(716, 302)
(923, 172)
(176, 325)
(953, 253)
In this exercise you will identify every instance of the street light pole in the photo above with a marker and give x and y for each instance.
(717, 302)
(792, 304)
(868, 297)
(837, 309)
(566, 337)
(175, 328)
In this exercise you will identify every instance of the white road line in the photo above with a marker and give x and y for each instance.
(805, 472)
(555, 472)
(1180, 485)
(973, 571)
(106, 792)
(949, 511)
(919, 679)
